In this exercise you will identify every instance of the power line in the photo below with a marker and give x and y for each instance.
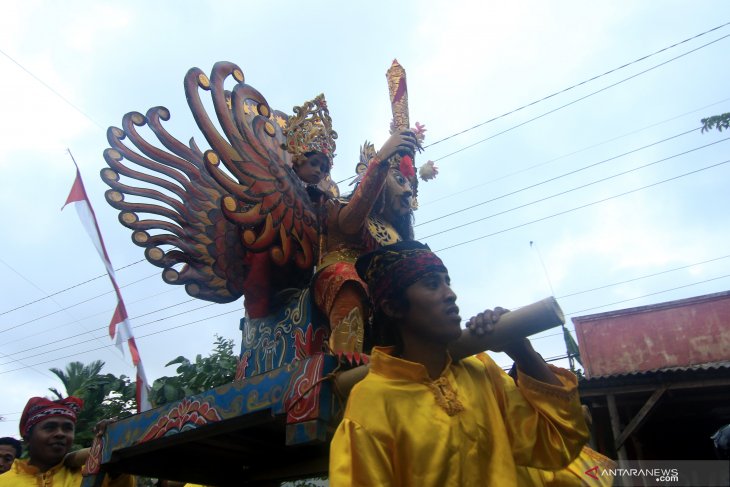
(578, 99)
(571, 102)
(136, 326)
(642, 277)
(572, 313)
(104, 312)
(583, 206)
(200, 307)
(73, 305)
(112, 346)
(578, 84)
(554, 178)
(38, 288)
(69, 288)
(647, 295)
(534, 166)
(66, 100)
(582, 186)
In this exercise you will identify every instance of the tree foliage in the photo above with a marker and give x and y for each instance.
(195, 377)
(719, 122)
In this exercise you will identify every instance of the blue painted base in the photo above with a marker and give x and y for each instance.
(257, 431)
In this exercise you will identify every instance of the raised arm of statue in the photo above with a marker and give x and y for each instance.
(350, 218)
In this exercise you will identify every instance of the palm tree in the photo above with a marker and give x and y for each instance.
(78, 378)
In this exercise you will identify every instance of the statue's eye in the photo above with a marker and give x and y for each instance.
(400, 179)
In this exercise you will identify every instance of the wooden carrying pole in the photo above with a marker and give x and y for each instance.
(515, 325)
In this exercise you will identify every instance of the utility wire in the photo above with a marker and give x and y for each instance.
(578, 99)
(70, 287)
(592, 146)
(112, 345)
(39, 289)
(554, 178)
(646, 295)
(66, 100)
(94, 338)
(73, 305)
(582, 186)
(573, 313)
(426, 203)
(100, 313)
(136, 326)
(571, 102)
(642, 277)
(583, 206)
(578, 84)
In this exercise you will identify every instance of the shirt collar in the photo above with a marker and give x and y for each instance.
(383, 362)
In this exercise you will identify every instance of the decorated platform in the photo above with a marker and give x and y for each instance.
(258, 431)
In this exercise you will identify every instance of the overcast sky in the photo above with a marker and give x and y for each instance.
(71, 69)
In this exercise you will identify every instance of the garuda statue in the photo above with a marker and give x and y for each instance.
(257, 215)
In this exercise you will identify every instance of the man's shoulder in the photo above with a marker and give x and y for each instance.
(14, 476)
(478, 363)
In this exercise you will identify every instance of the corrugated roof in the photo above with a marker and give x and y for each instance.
(697, 371)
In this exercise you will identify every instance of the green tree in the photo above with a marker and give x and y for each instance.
(195, 377)
(104, 395)
(719, 122)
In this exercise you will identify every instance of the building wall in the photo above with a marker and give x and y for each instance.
(673, 334)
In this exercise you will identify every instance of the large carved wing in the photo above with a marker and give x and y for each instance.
(205, 211)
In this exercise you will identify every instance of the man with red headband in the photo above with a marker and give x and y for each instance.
(418, 419)
(48, 429)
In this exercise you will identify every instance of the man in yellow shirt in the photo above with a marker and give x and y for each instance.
(10, 449)
(48, 428)
(418, 419)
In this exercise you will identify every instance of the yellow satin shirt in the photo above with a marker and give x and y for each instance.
(23, 475)
(472, 426)
(574, 475)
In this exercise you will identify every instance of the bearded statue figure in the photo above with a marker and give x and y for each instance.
(378, 212)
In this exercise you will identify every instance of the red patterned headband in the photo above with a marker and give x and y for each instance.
(40, 408)
(396, 267)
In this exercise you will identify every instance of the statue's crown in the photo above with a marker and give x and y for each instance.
(310, 129)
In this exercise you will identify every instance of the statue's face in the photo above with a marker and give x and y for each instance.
(398, 196)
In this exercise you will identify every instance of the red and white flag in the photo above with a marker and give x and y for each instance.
(120, 329)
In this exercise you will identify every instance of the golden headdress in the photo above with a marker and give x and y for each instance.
(310, 130)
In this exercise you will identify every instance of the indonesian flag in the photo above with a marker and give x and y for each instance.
(120, 329)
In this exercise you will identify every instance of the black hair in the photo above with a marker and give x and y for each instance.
(14, 443)
(385, 329)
